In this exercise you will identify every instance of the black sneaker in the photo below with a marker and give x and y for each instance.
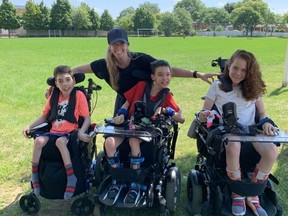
(132, 197)
(112, 195)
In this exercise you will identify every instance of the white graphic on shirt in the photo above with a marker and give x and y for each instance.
(61, 110)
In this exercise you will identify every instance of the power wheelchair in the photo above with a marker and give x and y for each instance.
(208, 187)
(159, 177)
(52, 175)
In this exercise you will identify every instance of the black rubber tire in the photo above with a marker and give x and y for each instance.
(194, 193)
(30, 204)
(82, 207)
(173, 188)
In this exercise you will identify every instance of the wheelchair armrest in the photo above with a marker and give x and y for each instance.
(42, 128)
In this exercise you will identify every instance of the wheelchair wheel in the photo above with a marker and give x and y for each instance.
(172, 192)
(82, 207)
(99, 171)
(194, 193)
(30, 204)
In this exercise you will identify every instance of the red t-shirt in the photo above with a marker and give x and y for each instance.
(81, 109)
(136, 93)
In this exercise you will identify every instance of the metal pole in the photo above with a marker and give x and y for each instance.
(285, 75)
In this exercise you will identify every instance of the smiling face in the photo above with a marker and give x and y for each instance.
(119, 49)
(65, 82)
(237, 71)
(161, 77)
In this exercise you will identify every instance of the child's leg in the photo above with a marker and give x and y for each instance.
(111, 144)
(268, 153)
(234, 173)
(39, 143)
(135, 150)
(134, 192)
(61, 144)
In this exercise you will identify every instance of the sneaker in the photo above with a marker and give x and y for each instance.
(253, 203)
(132, 197)
(238, 205)
(112, 195)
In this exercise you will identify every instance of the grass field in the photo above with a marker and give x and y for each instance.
(26, 63)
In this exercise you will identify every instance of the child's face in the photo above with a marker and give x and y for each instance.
(237, 71)
(162, 76)
(65, 82)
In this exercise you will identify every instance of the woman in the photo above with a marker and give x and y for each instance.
(123, 69)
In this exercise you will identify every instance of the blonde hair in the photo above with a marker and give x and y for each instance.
(113, 71)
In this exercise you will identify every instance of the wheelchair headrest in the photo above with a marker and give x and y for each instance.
(79, 77)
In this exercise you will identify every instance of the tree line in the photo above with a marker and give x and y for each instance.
(187, 17)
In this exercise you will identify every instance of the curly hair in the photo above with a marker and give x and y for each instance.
(252, 86)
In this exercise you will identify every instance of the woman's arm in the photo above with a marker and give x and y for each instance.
(179, 72)
(86, 68)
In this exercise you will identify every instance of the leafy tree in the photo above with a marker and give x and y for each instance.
(285, 17)
(152, 8)
(126, 22)
(185, 21)
(61, 15)
(106, 21)
(8, 18)
(43, 17)
(229, 7)
(246, 17)
(94, 19)
(30, 15)
(126, 12)
(143, 19)
(194, 7)
(80, 17)
(216, 16)
(169, 23)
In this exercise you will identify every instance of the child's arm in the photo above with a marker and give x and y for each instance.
(82, 135)
(120, 118)
(37, 122)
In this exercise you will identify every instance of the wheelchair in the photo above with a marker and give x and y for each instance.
(52, 175)
(208, 188)
(159, 177)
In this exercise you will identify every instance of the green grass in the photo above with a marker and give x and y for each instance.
(26, 63)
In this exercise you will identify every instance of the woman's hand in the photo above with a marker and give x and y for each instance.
(269, 129)
(206, 76)
(49, 92)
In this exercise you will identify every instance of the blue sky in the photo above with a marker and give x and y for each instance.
(116, 6)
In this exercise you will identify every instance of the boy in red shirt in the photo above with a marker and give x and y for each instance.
(153, 95)
(59, 112)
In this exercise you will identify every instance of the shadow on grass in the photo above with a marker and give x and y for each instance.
(278, 91)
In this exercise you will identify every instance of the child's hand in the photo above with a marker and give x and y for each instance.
(119, 119)
(84, 137)
(26, 131)
(269, 129)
